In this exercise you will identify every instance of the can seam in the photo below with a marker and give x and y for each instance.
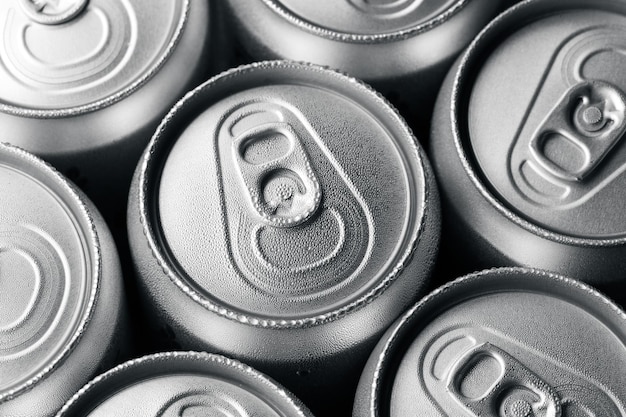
(94, 268)
(193, 356)
(460, 84)
(260, 321)
(396, 336)
(34, 113)
(365, 38)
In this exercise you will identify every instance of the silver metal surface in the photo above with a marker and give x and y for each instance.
(52, 12)
(366, 21)
(86, 93)
(180, 384)
(100, 56)
(548, 163)
(283, 213)
(527, 142)
(403, 48)
(503, 342)
(60, 288)
(363, 38)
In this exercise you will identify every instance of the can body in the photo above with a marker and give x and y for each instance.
(466, 349)
(63, 318)
(532, 176)
(308, 223)
(402, 48)
(86, 93)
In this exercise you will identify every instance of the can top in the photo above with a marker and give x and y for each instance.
(542, 104)
(366, 20)
(519, 341)
(282, 194)
(177, 384)
(67, 57)
(49, 270)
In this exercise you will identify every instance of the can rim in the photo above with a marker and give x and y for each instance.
(217, 360)
(350, 37)
(72, 111)
(92, 245)
(463, 81)
(395, 337)
(148, 166)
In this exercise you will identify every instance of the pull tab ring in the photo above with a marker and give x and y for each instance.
(590, 117)
(516, 392)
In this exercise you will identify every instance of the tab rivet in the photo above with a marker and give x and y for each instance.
(522, 409)
(592, 115)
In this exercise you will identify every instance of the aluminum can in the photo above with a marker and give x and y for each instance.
(180, 384)
(502, 342)
(403, 48)
(61, 299)
(284, 214)
(527, 143)
(86, 82)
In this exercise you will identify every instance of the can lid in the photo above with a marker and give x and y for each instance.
(510, 342)
(183, 384)
(66, 57)
(366, 19)
(546, 114)
(49, 270)
(282, 194)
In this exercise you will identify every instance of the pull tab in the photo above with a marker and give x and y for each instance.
(53, 12)
(275, 169)
(580, 131)
(514, 391)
